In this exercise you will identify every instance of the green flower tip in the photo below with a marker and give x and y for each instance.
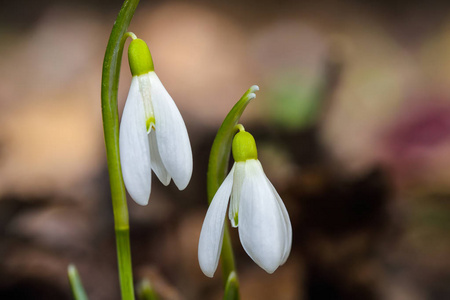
(244, 147)
(254, 88)
(139, 58)
(250, 93)
(71, 269)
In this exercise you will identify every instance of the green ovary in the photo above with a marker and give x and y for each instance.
(139, 58)
(244, 147)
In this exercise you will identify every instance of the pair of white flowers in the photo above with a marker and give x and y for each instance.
(153, 136)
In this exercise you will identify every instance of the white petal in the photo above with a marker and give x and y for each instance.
(156, 162)
(287, 224)
(238, 180)
(171, 135)
(134, 149)
(262, 229)
(211, 236)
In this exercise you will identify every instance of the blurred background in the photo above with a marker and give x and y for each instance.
(352, 123)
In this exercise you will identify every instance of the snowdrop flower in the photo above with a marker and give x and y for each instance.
(153, 135)
(256, 209)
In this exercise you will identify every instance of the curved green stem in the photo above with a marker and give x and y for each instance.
(239, 127)
(218, 168)
(129, 34)
(110, 86)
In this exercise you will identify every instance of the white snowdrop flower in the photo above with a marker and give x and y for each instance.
(256, 209)
(153, 135)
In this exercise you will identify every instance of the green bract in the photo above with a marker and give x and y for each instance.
(244, 147)
(139, 58)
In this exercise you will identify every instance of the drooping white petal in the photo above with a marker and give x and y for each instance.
(238, 180)
(287, 223)
(262, 229)
(171, 134)
(156, 162)
(134, 148)
(211, 236)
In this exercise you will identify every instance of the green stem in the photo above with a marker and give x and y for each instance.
(124, 260)
(218, 168)
(227, 255)
(110, 86)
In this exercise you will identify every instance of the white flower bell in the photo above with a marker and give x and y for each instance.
(256, 209)
(153, 135)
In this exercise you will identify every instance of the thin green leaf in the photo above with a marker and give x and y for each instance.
(232, 288)
(146, 291)
(76, 284)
